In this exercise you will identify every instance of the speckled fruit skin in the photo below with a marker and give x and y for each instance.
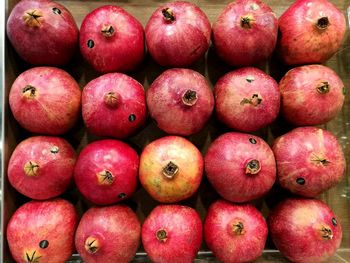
(165, 100)
(41, 167)
(42, 231)
(299, 227)
(311, 95)
(183, 234)
(108, 234)
(247, 99)
(235, 233)
(231, 167)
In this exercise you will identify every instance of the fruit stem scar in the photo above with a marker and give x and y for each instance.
(246, 21)
(326, 233)
(255, 100)
(105, 177)
(323, 87)
(190, 97)
(111, 98)
(238, 228)
(168, 15)
(107, 31)
(161, 235)
(322, 23)
(322, 161)
(252, 167)
(32, 258)
(32, 17)
(29, 91)
(170, 170)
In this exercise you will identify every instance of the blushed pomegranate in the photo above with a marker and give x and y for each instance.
(172, 234)
(106, 171)
(305, 230)
(241, 167)
(180, 101)
(45, 100)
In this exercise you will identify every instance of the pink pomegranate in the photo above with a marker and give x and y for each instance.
(178, 34)
(245, 33)
(241, 167)
(311, 95)
(108, 234)
(114, 105)
(111, 39)
(172, 234)
(180, 101)
(42, 231)
(305, 230)
(311, 31)
(247, 99)
(45, 100)
(41, 167)
(235, 233)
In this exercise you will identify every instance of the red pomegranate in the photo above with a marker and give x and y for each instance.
(106, 171)
(111, 39)
(42, 231)
(114, 105)
(180, 101)
(45, 100)
(108, 234)
(172, 234)
(247, 99)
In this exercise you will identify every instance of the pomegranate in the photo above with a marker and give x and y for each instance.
(247, 99)
(172, 234)
(241, 167)
(311, 95)
(42, 231)
(114, 105)
(111, 39)
(245, 33)
(41, 167)
(108, 234)
(171, 169)
(106, 171)
(305, 230)
(180, 101)
(178, 34)
(45, 100)
(311, 31)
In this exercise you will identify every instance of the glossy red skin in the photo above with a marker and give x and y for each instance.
(53, 43)
(184, 234)
(54, 220)
(121, 52)
(234, 87)
(164, 100)
(117, 229)
(239, 46)
(300, 41)
(302, 104)
(225, 166)
(55, 171)
(182, 42)
(112, 155)
(295, 225)
(104, 120)
(56, 107)
(220, 237)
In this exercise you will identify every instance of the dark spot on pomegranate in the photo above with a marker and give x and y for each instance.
(43, 244)
(323, 22)
(334, 221)
(90, 43)
(56, 11)
(250, 79)
(344, 91)
(252, 140)
(132, 117)
(253, 167)
(122, 195)
(161, 235)
(300, 181)
(54, 149)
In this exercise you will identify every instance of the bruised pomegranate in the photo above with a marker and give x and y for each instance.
(45, 100)
(42, 231)
(305, 230)
(108, 234)
(172, 234)
(180, 101)
(241, 167)
(171, 169)
(106, 171)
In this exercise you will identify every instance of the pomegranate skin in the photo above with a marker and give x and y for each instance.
(245, 33)
(311, 95)
(106, 171)
(38, 230)
(108, 234)
(247, 99)
(111, 39)
(114, 105)
(172, 234)
(305, 230)
(178, 34)
(311, 31)
(241, 167)
(235, 233)
(180, 101)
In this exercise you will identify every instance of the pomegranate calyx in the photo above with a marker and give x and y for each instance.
(255, 100)
(32, 257)
(107, 31)
(29, 91)
(238, 228)
(31, 168)
(161, 235)
(320, 160)
(322, 23)
(323, 87)
(111, 99)
(190, 97)
(326, 233)
(252, 167)
(247, 21)
(105, 177)
(33, 17)
(168, 15)
(92, 245)
(170, 170)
